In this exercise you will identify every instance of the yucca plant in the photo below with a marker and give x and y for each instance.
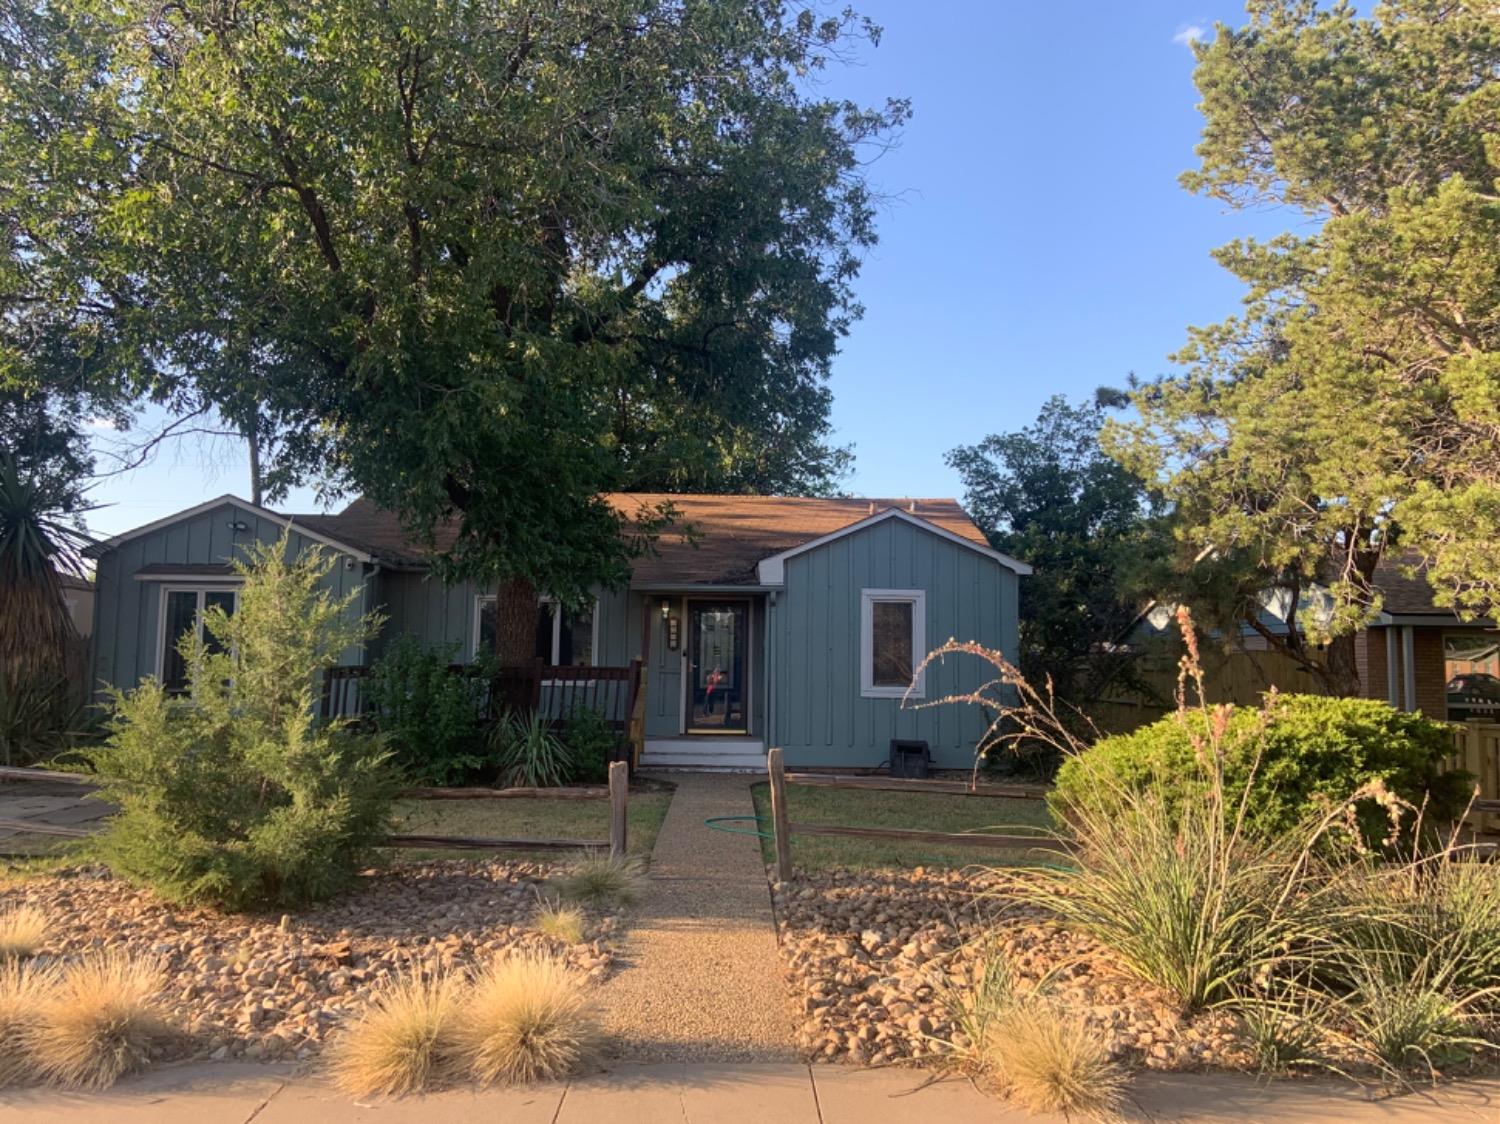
(39, 545)
(528, 753)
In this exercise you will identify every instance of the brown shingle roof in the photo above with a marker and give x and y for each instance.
(729, 534)
(1402, 594)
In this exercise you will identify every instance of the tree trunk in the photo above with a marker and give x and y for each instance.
(515, 623)
(1343, 668)
(255, 489)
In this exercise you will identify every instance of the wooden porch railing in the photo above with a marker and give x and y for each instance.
(1478, 751)
(556, 692)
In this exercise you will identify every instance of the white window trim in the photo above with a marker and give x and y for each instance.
(481, 598)
(199, 588)
(917, 598)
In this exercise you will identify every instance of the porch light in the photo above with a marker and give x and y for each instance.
(666, 608)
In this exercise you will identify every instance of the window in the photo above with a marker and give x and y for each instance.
(182, 612)
(892, 642)
(562, 637)
(1471, 673)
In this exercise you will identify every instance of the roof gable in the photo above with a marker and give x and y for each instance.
(94, 550)
(772, 570)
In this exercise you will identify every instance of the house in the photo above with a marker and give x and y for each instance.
(760, 620)
(1414, 654)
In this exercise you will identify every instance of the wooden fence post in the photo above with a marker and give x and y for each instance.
(781, 827)
(619, 803)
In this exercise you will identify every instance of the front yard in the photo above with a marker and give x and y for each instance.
(540, 817)
(909, 810)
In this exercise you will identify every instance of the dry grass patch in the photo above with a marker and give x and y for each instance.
(24, 990)
(99, 1021)
(602, 881)
(1049, 1062)
(405, 1040)
(560, 922)
(23, 928)
(527, 1019)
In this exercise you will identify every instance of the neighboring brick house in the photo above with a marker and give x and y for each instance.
(1418, 656)
(1414, 655)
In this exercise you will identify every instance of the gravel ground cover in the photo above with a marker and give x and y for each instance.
(875, 959)
(274, 987)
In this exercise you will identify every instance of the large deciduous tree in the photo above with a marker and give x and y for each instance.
(1353, 408)
(1049, 495)
(480, 260)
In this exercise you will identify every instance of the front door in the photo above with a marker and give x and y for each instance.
(717, 687)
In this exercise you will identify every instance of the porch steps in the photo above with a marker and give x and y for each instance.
(705, 755)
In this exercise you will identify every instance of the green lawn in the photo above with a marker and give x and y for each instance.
(537, 817)
(913, 810)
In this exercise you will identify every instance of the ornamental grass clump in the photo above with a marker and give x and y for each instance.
(1043, 1057)
(1048, 1060)
(599, 880)
(1341, 939)
(560, 922)
(23, 928)
(24, 990)
(405, 1041)
(527, 1019)
(98, 1021)
(237, 795)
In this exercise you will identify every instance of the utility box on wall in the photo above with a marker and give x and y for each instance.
(910, 759)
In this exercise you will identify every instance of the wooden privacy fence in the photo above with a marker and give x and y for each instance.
(556, 692)
(1477, 750)
(618, 793)
(782, 827)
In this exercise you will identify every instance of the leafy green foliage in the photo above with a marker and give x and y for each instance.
(528, 753)
(481, 261)
(237, 796)
(1305, 754)
(1327, 948)
(432, 720)
(1350, 409)
(592, 743)
(1048, 494)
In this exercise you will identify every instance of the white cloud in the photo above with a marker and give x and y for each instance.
(1188, 34)
(101, 423)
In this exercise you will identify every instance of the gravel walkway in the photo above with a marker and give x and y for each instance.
(701, 979)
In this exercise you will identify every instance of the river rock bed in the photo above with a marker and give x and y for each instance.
(876, 959)
(272, 987)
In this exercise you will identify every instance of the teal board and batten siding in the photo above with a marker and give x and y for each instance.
(127, 611)
(442, 616)
(820, 717)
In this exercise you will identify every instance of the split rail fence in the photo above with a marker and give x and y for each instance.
(783, 828)
(617, 792)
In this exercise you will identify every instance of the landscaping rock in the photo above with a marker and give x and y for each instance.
(277, 986)
(876, 960)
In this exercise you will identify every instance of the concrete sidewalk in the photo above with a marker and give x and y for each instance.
(698, 977)
(699, 1094)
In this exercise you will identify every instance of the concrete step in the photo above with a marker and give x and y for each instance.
(689, 757)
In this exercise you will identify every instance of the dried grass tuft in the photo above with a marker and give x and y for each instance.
(1050, 1062)
(528, 1019)
(99, 1021)
(24, 990)
(560, 922)
(23, 928)
(404, 1042)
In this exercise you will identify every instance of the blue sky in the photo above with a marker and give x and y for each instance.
(1038, 242)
